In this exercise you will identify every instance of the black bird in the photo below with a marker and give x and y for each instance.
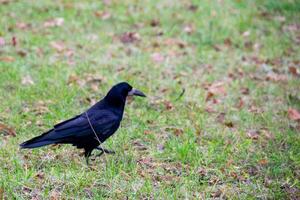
(90, 128)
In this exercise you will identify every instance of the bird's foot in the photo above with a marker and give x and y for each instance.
(104, 151)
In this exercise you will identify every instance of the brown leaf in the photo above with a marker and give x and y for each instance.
(129, 37)
(154, 23)
(229, 124)
(221, 118)
(147, 132)
(176, 131)
(168, 105)
(263, 161)
(157, 57)
(7, 59)
(54, 22)
(240, 103)
(193, 8)
(7, 130)
(21, 53)
(2, 42)
(293, 114)
(59, 46)
(14, 41)
(253, 134)
(27, 80)
(55, 195)
(103, 15)
(293, 70)
(276, 77)
(40, 175)
(139, 145)
(22, 25)
(244, 90)
(216, 88)
(189, 29)
(216, 194)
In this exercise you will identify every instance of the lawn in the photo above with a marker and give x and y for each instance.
(221, 118)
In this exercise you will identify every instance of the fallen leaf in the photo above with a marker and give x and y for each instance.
(216, 88)
(175, 131)
(7, 59)
(193, 8)
(54, 22)
(168, 105)
(293, 114)
(229, 124)
(7, 130)
(14, 41)
(129, 37)
(139, 145)
(58, 45)
(246, 34)
(189, 29)
(2, 42)
(40, 175)
(253, 134)
(240, 103)
(22, 25)
(154, 23)
(103, 15)
(293, 70)
(55, 195)
(21, 53)
(147, 132)
(27, 80)
(276, 77)
(157, 57)
(263, 161)
(221, 118)
(244, 90)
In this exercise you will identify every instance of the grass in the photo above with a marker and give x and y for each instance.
(237, 144)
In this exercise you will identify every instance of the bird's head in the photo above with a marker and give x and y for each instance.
(118, 93)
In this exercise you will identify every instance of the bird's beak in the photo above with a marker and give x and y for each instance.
(136, 93)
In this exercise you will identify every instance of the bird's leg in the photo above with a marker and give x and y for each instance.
(87, 154)
(104, 151)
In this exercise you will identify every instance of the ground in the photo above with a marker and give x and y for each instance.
(221, 119)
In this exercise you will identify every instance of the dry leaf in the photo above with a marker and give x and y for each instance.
(27, 80)
(293, 70)
(54, 22)
(129, 37)
(22, 25)
(189, 29)
(2, 42)
(157, 57)
(14, 41)
(263, 161)
(276, 77)
(216, 88)
(54, 195)
(103, 15)
(59, 46)
(7, 130)
(7, 59)
(293, 114)
(253, 134)
(154, 23)
(168, 105)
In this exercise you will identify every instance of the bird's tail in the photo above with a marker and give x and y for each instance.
(38, 141)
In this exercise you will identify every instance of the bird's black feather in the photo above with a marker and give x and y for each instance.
(105, 118)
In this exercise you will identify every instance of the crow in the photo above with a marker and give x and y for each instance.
(91, 128)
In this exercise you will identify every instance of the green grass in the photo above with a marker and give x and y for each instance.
(166, 148)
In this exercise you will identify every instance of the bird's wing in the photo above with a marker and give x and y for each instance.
(102, 121)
